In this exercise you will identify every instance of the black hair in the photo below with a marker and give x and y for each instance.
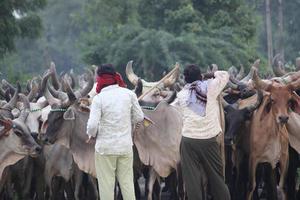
(106, 69)
(192, 73)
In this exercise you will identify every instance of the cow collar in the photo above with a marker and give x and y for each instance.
(58, 110)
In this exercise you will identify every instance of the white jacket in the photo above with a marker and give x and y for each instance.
(113, 111)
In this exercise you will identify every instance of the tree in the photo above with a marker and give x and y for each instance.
(18, 19)
(163, 32)
(269, 33)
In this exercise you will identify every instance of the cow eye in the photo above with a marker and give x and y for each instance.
(18, 133)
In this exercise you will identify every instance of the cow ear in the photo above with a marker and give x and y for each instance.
(69, 114)
(295, 103)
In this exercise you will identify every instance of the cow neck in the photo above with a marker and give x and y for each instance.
(82, 152)
(7, 156)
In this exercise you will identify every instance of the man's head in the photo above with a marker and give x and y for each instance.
(192, 73)
(106, 69)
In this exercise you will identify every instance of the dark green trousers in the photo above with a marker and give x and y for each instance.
(200, 156)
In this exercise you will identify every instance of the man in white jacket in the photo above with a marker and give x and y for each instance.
(113, 111)
(201, 124)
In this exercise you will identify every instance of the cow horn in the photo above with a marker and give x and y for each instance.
(33, 91)
(2, 92)
(298, 63)
(54, 76)
(132, 77)
(241, 73)
(256, 63)
(214, 67)
(11, 88)
(13, 101)
(250, 74)
(51, 100)
(258, 101)
(172, 79)
(57, 94)
(232, 71)
(139, 88)
(25, 112)
(44, 81)
(171, 97)
(232, 85)
(84, 91)
(28, 85)
(294, 85)
(71, 96)
(73, 78)
(259, 84)
(277, 66)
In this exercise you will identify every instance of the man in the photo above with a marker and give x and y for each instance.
(198, 102)
(113, 111)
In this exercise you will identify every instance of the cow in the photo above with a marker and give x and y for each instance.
(234, 119)
(268, 136)
(18, 141)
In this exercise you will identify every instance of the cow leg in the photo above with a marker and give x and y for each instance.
(291, 174)
(283, 162)
(152, 178)
(171, 185)
(180, 185)
(252, 177)
(94, 184)
(78, 175)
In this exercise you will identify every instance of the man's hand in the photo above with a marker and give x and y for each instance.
(91, 140)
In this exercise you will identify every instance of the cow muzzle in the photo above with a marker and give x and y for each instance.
(283, 119)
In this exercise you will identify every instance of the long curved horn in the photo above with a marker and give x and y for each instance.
(277, 66)
(2, 92)
(132, 77)
(250, 74)
(24, 114)
(33, 91)
(257, 103)
(44, 81)
(51, 100)
(57, 94)
(74, 79)
(13, 101)
(232, 85)
(84, 91)
(54, 76)
(28, 85)
(71, 96)
(6, 85)
(260, 84)
(170, 97)
(241, 73)
(298, 63)
(256, 63)
(232, 71)
(294, 85)
(172, 79)
(214, 67)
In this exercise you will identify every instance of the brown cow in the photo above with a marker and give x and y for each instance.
(268, 133)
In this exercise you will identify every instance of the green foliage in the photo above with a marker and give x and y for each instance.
(166, 31)
(17, 19)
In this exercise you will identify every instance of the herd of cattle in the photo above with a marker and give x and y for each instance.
(44, 154)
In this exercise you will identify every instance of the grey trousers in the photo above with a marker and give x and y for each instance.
(198, 156)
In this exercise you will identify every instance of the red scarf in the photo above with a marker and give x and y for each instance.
(109, 79)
